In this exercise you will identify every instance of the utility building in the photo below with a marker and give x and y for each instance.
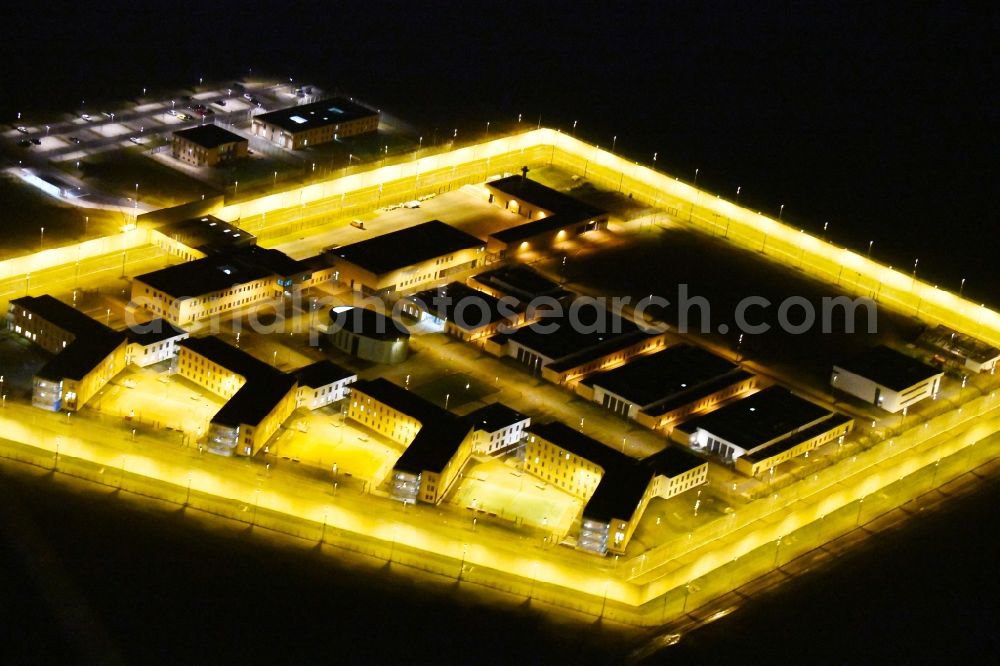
(886, 378)
(316, 123)
(554, 216)
(407, 260)
(208, 145)
(761, 431)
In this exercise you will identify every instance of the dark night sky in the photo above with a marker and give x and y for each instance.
(876, 117)
(880, 118)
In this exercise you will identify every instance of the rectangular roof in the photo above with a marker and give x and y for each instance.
(961, 345)
(783, 445)
(208, 234)
(565, 210)
(62, 315)
(407, 247)
(568, 338)
(655, 377)
(578, 444)
(521, 282)
(476, 308)
(545, 197)
(759, 419)
(209, 136)
(254, 400)
(153, 331)
(673, 461)
(203, 276)
(317, 114)
(889, 368)
(81, 356)
(696, 393)
(321, 373)
(228, 268)
(367, 323)
(232, 358)
(494, 417)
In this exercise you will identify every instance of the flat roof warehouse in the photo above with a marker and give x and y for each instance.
(318, 114)
(407, 247)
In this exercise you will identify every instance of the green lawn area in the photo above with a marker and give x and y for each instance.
(117, 172)
(25, 211)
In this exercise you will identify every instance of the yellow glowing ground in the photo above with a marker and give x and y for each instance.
(153, 397)
(319, 438)
(492, 487)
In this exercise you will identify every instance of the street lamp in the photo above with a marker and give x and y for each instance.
(447, 397)
(41, 238)
(781, 211)
(961, 288)
(870, 243)
(614, 140)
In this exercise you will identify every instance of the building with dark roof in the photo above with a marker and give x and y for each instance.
(408, 259)
(368, 335)
(201, 236)
(322, 383)
(153, 341)
(259, 396)
(497, 428)
(554, 216)
(616, 487)
(565, 346)
(216, 284)
(886, 378)
(768, 428)
(88, 354)
(208, 145)
(521, 283)
(963, 350)
(316, 123)
(660, 388)
(463, 312)
(438, 443)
